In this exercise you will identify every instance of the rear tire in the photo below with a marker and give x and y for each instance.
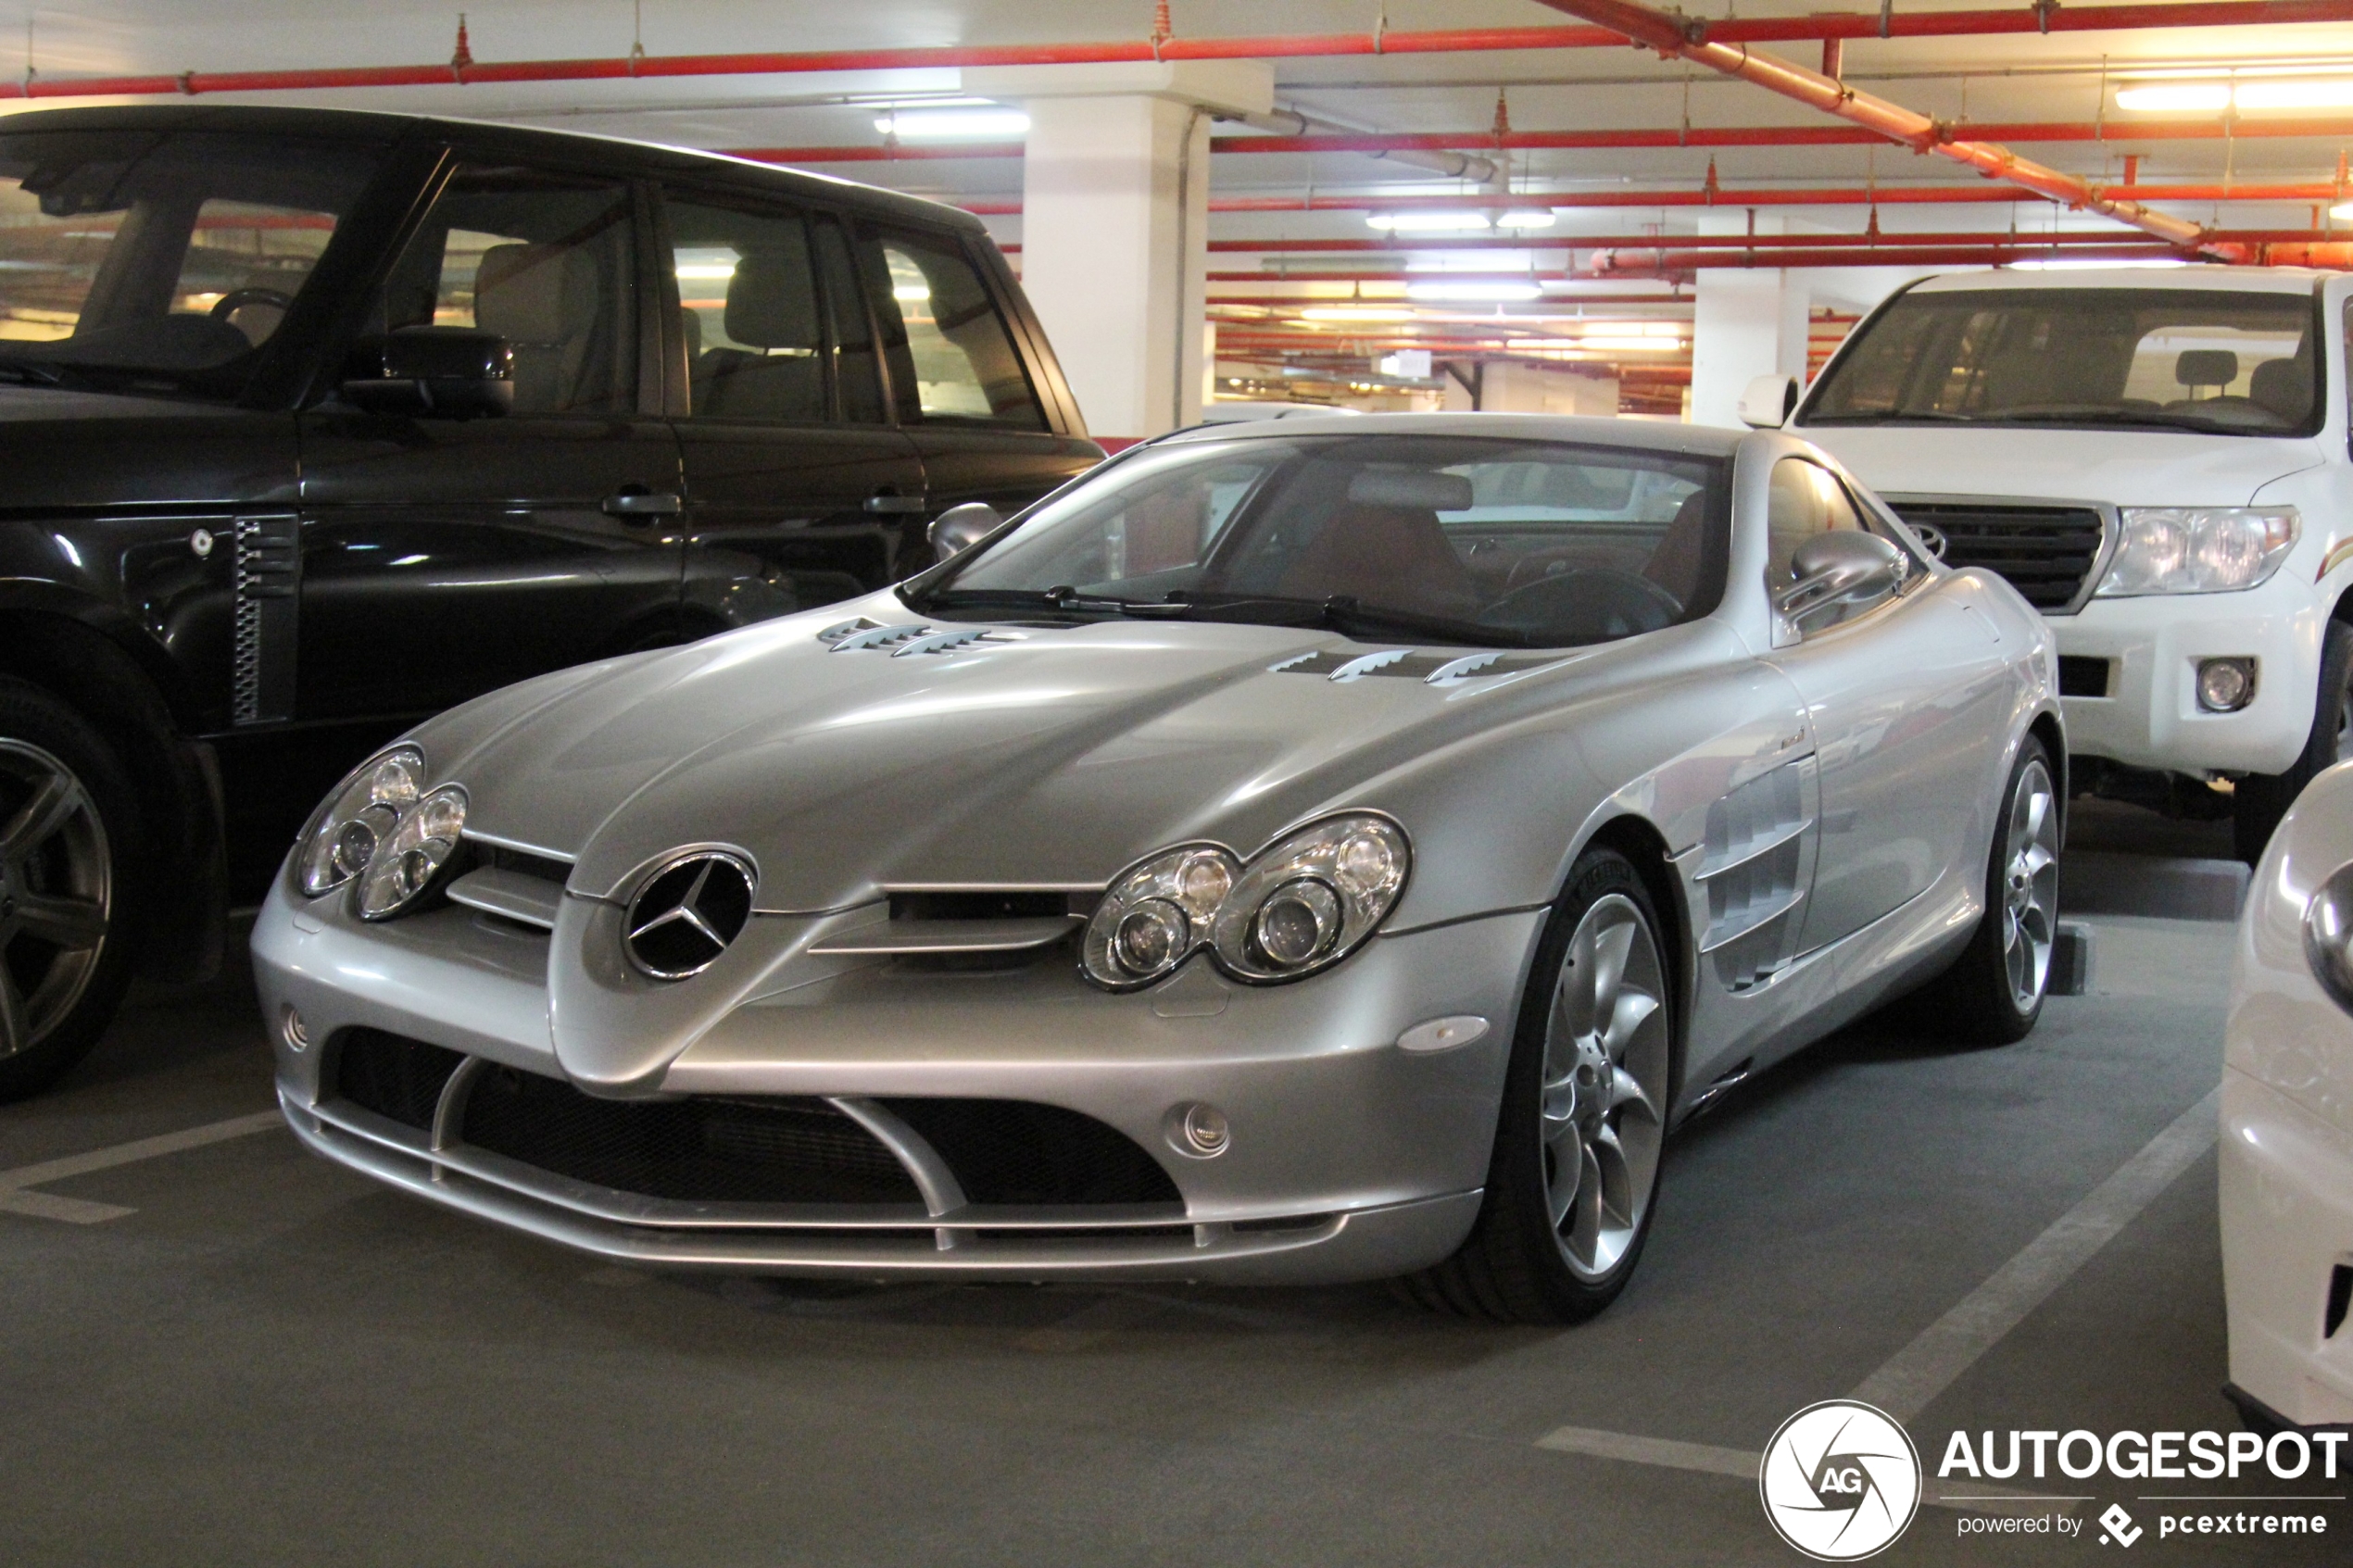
(70, 845)
(1573, 1182)
(1993, 995)
(2262, 800)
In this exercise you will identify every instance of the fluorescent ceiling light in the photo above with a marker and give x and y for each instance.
(2079, 264)
(1533, 218)
(2294, 93)
(705, 272)
(1497, 291)
(952, 125)
(911, 294)
(2175, 96)
(2342, 212)
(1356, 313)
(1514, 261)
(1430, 222)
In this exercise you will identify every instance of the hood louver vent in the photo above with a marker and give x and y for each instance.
(1430, 669)
(864, 635)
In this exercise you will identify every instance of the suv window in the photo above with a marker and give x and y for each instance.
(545, 261)
(952, 358)
(170, 255)
(776, 327)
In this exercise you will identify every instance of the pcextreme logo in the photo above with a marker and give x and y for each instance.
(1840, 1481)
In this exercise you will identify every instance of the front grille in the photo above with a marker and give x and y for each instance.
(2082, 677)
(712, 1149)
(2044, 552)
(1014, 1151)
(395, 1077)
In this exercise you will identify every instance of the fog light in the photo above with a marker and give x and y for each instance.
(1199, 1131)
(2225, 686)
(296, 1033)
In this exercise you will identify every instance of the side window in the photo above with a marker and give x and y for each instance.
(755, 336)
(1806, 500)
(951, 356)
(545, 261)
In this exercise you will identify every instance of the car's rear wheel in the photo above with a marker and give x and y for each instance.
(1573, 1182)
(1993, 993)
(69, 822)
(2262, 800)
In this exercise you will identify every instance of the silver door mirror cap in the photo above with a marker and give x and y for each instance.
(960, 528)
(1768, 402)
(1837, 573)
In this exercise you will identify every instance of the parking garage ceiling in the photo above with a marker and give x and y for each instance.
(1550, 158)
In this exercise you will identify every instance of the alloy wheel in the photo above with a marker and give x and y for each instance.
(2029, 885)
(1605, 1086)
(57, 893)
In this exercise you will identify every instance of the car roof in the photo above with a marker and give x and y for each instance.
(2247, 280)
(1649, 435)
(641, 158)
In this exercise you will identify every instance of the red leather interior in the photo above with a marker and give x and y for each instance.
(1682, 549)
(1397, 558)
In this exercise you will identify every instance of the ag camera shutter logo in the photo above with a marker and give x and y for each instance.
(1840, 1481)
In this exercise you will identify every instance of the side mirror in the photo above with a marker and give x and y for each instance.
(960, 528)
(1836, 573)
(432, 372)
(1768, 402)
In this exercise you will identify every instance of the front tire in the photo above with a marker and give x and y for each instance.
(2262, 800)
(69, 835)
(1573, 1181)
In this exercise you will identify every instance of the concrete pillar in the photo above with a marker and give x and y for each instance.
(1746, 321)
(1115, 235)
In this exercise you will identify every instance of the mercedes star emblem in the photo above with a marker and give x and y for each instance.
(686, 912)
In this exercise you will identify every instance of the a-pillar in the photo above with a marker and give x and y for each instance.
(1114, 225)
(1746, 321)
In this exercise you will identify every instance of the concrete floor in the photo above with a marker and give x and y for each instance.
(269, 1361)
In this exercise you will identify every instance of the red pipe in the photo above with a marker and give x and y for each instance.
(1727, 242)
(1849, 24)
(1882, 195)
(1647, 262)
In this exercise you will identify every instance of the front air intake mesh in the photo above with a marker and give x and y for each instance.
(396, 1077)
(1014, 1151)
(713, 1150)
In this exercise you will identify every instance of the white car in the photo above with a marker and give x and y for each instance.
(2287, 1122)
(2157, 460)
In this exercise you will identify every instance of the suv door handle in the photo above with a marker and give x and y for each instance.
(632, 506)
(890, 502)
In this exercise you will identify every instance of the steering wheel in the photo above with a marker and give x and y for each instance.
(228, 304)
(1588, 601)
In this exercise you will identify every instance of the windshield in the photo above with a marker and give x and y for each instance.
(2228, 363)
(1427, 538)
(159, 257)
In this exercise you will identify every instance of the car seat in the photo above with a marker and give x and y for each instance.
(542, 299)
(777, 374)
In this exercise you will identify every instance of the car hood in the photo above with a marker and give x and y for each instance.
(1040, 755)
(2124, 467)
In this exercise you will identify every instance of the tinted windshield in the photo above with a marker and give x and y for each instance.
(2201, 359)
(1427, 538)
(172, 257)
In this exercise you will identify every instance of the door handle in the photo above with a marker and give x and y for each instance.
(632, 506)
(901, 505)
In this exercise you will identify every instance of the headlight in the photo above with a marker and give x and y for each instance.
(2328, 936)
(2198, 549)
(1302, 905)
(1157, 914)
(405, 864)
(363, 813)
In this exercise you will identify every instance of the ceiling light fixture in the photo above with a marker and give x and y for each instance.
(1533, 218)
(952, 125)
(2174, 97)
(1469, 291)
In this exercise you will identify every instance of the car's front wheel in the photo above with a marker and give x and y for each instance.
(1573, 1181)
(68, 825)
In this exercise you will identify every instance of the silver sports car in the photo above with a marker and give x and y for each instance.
(1311, 851)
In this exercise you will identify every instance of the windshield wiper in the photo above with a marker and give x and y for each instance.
(2144, 417)
(1063, 599)
(1893, 416)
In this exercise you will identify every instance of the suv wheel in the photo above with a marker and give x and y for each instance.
(69, 831)
(2262, 800)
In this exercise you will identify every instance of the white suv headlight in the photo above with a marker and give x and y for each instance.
(2198, 549)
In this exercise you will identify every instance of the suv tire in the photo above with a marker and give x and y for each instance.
(2262, 800)
(72, 851)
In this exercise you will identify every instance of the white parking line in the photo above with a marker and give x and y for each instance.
(1912, 1378)
(15, 1198)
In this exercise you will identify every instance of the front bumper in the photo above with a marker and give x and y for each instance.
(2153, 645)
(1349, 1158)
(2287, 1226)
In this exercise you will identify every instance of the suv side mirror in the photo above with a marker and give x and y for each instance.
(1768, 402)
(1837, 573)
(432, 372)
(960, 528)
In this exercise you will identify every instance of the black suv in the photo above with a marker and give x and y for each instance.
(314, 424)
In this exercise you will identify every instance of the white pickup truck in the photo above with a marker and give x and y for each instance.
(2157, 459)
